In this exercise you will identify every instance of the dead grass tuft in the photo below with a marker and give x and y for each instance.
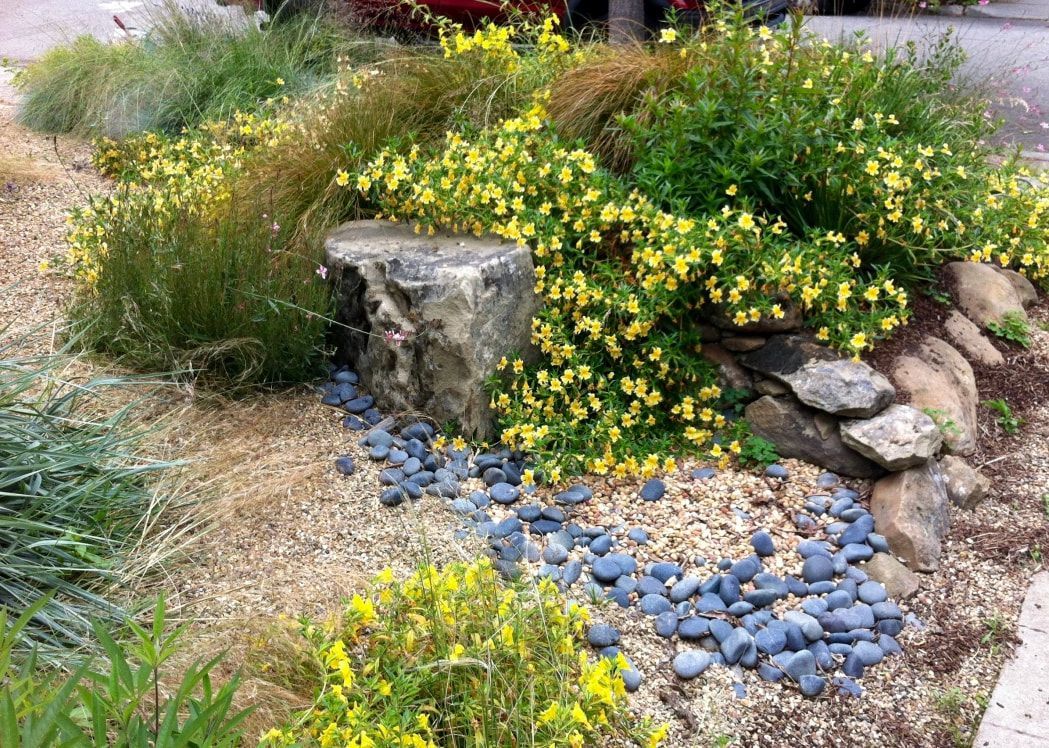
(586, 101)
(19, 169)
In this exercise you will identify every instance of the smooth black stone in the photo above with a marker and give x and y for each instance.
(654, 604)
(571, 572)
(601, 545)
(504, 493)
(653, 490)
(530, 513)
(416, 448)
(344, 465)
(857, 531)
(545, 526)
(666, 624)
(345, 376)
(728, 589)
(693, 628)
(379, 453)
(817, 569)
(664, 570)
(419, 430)
(606, 570)
(331, 399)
(391, 496)
(746, 569)
(359, 404)
(423, 478)
(762, 543)
(391, 476)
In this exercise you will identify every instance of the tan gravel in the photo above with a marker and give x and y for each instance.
(41, 178)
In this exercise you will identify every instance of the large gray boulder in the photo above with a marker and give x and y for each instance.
(821, 378)
(898, 438)
(462, 302)
(806, 434)
(912, 511)
(940, 382)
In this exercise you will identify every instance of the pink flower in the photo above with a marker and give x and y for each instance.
(395, 336)
(275, 228)
(923, 5)
(322, 272)
(984, 2)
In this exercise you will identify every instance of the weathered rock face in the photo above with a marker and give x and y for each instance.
(898, 438)
(968, 339)
(900, 582)
(965, 486)
(821, 378)
(463, 302)
(730, 373)
(984, 294)
(803, 433)
(940, 381)
(911, 510)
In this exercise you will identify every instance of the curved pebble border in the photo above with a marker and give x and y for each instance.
(826, 622)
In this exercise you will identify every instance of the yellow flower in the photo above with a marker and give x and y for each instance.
(858, 341)
(668, 36)
(746, 221)
(342, 178)
(549, 714)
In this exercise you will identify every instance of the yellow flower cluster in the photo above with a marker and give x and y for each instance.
(419, 662)
(624, 284)
(495, 43)
(163, 180)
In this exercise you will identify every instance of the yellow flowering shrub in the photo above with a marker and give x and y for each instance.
(459, 657)
(621, 382)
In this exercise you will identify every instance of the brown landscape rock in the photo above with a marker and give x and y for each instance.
(984, 294)
(1024, 288)
(730, 373)
(939, 381)
(900, 582)
(794, 430)
(968, 339)
(911, 510)
(965, 486)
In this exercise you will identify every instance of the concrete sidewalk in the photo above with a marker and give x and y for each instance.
(1018, 712)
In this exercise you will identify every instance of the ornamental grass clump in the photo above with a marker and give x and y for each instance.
(179, 272)
(411, 96)
(192, 66)
(457, 657)
(76, 500)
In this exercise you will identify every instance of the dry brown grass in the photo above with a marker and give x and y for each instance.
(419, 94)
(586, 101)
(18, 169)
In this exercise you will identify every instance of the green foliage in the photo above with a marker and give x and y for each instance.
(456, 657)
(75, 495)
(946, 424)
(1014, 328)
(193, 66)
(119, 702)
(1008, 422)
(883, 151)
(757, 451)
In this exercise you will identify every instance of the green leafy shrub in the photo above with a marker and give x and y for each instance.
(884, 151)
(119, 702)
(456, 657)
(176, 274)
(76, 500)
(1006, 419)
(193, 66)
